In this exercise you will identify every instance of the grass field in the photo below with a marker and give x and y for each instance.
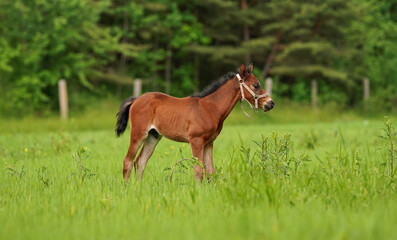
(304, 180)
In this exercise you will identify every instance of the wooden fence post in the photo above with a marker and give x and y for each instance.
(269, 85)
(63, 99)
(137, 87)
(314, 93)
(366, 88)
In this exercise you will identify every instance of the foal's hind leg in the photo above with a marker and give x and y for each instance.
(135, 143)
(147, 151)
(127, 163)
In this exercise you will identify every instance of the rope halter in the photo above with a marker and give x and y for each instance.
(255, 96)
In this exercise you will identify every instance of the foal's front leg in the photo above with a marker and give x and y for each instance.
(208, 162)
(197, 145)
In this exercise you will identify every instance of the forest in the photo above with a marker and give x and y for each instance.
(178, 47)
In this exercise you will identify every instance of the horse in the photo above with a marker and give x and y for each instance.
(196, 119)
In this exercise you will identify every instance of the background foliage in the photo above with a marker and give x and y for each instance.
(178, 47)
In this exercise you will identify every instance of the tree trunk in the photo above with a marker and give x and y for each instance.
(123, 59)
(196, 72)
(246, 33)
(154, 74)
(270, 58)
(168, 69)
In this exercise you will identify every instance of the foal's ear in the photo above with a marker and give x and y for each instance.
(250, 68)
(243, 70)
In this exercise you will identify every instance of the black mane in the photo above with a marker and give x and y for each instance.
(215, 85)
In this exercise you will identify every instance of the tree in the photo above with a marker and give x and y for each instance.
(45, 41)
(374, 36)
(180, 46)
(163, 29)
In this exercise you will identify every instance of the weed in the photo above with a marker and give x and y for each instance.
(184, 164)
(79, 156)
(389, 134)
(61, 142)
(246, 151)
(310, 140)
(43, 176)
(277, 156)
(191, 161)
(3, 151)
(12, 170)
(357, 158)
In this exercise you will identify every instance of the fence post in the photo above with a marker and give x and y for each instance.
(366, 88)
(269, 85)
(63, 99)
(314, 93)
(137, 87)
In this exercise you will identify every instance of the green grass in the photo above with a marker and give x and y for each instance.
(102, 115)
(345, 191)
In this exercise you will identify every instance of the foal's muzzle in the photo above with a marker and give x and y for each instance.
(268, 105)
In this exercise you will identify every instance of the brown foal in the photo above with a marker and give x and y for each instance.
(197, 120)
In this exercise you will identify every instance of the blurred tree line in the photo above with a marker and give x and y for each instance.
(178, 47)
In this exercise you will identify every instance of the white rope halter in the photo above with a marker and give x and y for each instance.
(255, 96)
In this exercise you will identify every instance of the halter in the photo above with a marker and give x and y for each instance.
(255, 96)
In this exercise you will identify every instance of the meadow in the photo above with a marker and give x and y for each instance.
(281, 175)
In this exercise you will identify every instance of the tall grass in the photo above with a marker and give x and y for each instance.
(274, 181)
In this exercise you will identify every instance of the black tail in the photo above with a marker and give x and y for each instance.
(122, 119)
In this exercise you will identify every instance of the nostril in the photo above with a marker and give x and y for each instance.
(271, 104)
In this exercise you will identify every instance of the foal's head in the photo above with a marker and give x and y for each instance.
(265, 103)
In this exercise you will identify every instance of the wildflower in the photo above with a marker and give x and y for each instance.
(26, 149)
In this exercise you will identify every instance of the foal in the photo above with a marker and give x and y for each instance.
(197, 120)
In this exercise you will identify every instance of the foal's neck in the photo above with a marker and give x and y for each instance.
(225, 98)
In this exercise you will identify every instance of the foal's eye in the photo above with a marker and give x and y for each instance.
(256, 86)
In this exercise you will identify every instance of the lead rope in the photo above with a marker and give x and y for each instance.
(246, 114)
(255, 96)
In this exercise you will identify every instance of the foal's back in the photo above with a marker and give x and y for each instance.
(170, 116)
